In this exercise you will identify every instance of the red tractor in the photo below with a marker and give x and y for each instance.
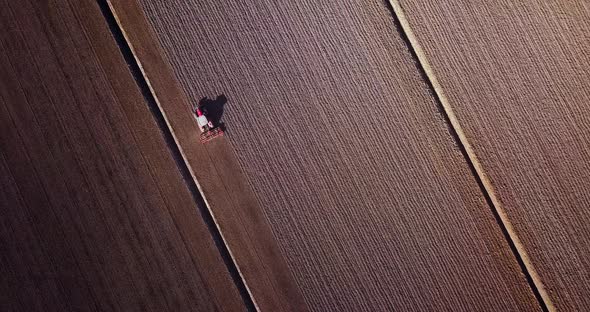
(209, 130)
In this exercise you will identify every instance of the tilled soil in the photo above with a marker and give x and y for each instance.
(95, 215)
(516, 75)
(366, 192)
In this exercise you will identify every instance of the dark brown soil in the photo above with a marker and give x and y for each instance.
(95, 215)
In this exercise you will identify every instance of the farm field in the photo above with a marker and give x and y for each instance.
(378, 155)
(343, 152)
(95, 215)
(518, 84)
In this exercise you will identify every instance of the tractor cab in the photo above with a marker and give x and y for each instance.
(209, 130)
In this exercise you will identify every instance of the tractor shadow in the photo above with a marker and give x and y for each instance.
(213, 109)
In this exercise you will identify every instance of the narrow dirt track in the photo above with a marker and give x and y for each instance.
(516, 76)
(341, 142)
(95, 213)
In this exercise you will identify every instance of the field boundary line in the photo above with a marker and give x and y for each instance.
(179, 156)
(486, 186)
